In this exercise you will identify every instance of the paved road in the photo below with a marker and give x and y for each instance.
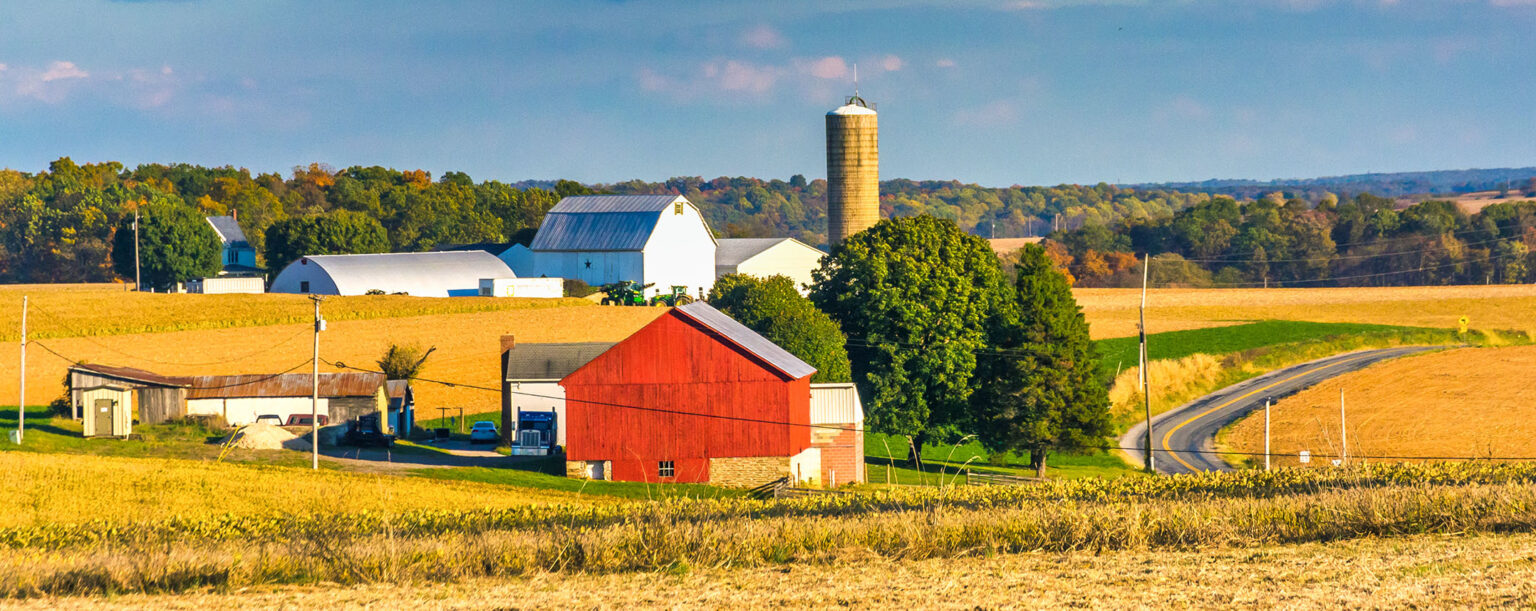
(1184, 438)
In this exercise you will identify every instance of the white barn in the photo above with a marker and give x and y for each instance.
(422, 274)
(652, 239)
(764, 257)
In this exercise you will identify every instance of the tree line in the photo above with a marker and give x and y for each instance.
(1274, 241)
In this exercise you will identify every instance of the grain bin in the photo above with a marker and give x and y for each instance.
(853, 169)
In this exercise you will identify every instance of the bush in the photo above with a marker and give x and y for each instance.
(577, 288)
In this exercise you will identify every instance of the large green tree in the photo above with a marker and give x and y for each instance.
(175, 244)
(339, 232)
(773, 308)
(1038, 387)
(913, 295)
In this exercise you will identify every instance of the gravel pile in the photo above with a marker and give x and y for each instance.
(263, 436)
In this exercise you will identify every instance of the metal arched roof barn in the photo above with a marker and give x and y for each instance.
(423, 274)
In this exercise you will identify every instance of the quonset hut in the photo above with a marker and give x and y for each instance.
(422, 274)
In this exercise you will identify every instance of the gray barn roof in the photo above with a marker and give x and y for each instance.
(602, 222)
(747, 339)
(734, 251)
(550, 361)
(227, 228)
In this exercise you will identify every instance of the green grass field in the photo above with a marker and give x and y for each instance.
(1120, 352)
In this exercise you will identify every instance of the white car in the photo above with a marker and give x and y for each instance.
(483, 431)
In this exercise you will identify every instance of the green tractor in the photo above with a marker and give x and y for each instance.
(626, 293)
(678, 296)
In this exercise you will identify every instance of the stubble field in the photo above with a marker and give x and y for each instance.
(1469, 402)
(1425, 571)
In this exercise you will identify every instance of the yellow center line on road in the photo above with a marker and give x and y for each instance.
(1169, 434)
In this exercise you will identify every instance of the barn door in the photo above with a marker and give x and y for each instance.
(101, 425)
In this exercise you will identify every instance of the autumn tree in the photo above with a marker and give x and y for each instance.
(338, 233)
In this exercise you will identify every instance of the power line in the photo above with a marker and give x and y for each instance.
(864, 430)
(263, 378)
(91, 340)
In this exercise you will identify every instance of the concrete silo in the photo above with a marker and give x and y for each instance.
(853, 169)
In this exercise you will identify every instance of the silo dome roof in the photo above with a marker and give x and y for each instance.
(852, 109)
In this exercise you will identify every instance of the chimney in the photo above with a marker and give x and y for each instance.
(506, 343)
(234, 214)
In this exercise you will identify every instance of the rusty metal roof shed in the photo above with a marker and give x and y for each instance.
(285, 385)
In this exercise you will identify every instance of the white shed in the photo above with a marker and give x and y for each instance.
(764, 257)
(660, 240)
(531, 374)
(423, 274)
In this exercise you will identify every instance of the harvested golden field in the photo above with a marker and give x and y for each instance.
(1465, 402)
(1112, 312)
(68, 489)
(1422, 571)
(67, 310)
(467, 348)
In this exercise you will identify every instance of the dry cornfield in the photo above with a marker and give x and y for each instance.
(66, 489)
(1469, 402)
(1423, 571)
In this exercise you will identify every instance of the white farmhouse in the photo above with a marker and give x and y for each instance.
(764, 257)
(660, 240)
(422, 274)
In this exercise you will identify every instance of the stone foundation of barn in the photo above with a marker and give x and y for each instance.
(747, 471)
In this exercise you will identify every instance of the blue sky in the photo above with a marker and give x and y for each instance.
(998, 93)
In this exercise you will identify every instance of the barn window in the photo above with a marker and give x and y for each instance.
(677, 208)
(666, 468)
(304, 286)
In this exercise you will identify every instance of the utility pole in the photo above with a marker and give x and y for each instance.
(1146, 390)
(21, 406)
(1343, 432)
(138, 285)
(1266, 433)
(314, 405)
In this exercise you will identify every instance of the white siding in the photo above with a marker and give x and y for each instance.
(594, 268)
(788, 258)
(544, 288)
(293, 277)
(228, 284)
(520, 259)
(681, 252)
(836, 403)
(242, 411)
(541, 397)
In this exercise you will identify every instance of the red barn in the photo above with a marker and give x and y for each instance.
(692, 397)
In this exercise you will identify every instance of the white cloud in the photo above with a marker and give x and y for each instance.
(831, 67)
(891, 63)
(763, 37)
(733, 75)
(61, 81)
(58, 71)
(945, 63)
